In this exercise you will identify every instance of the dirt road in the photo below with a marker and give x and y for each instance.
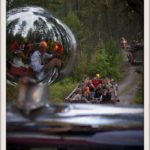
(129, 86)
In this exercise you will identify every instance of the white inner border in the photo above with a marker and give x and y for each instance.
(146, 75)
(3, 75)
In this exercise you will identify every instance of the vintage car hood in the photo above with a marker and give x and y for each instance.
(100, 124)
(103, 117)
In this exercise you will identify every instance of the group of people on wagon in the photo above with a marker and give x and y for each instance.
(95, 89)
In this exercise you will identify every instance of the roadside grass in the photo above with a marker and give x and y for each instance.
(139, 96)
(59, 91)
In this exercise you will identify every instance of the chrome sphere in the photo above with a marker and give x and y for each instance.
(39, 46)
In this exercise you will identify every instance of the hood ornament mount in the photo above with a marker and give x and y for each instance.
(31, 95)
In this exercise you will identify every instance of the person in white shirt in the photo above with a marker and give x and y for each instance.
(39, 58)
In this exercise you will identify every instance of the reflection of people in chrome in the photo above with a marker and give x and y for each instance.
(42, 62)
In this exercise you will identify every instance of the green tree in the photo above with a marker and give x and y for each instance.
(75, 24)
(114, 59)
(81, 66)
(98, 62)
(106, 60)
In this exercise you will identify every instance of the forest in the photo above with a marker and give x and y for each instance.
(98, 26)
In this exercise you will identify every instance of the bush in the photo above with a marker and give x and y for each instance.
(115, 59)
(61, 90)
(81, 66)
(98, 64)
(106, 60)
(139, 97)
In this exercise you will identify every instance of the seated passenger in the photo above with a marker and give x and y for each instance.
(96, 81)
(77, 96)
(98, 92)
(106, 95)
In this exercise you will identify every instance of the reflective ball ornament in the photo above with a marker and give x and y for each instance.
(39, 46)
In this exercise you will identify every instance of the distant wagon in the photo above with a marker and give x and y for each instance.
(136, 53)
(76, 96)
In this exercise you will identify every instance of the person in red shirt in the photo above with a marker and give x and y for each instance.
(96, 81)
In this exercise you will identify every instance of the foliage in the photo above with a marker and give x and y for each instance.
(61, 90)
(80, 31)
(106, 61)
(98, 63)
(73, 21)
(114, 58)
(139, 97)
(81, 66)
(99, 17)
